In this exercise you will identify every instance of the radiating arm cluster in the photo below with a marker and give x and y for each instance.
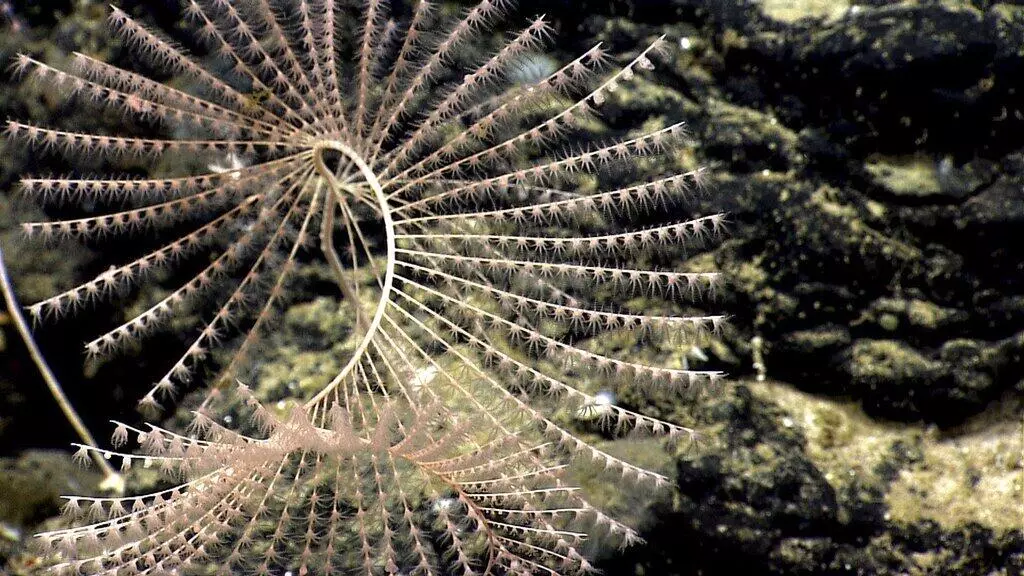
(478, 233)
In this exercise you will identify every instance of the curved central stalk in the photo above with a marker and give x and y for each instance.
(389, 230)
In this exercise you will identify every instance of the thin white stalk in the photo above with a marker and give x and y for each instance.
(112, 480)
(389, 230)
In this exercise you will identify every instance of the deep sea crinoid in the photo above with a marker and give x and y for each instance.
(479, 236)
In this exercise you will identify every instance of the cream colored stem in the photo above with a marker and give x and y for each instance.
(113, 479)
(389, 230)
(348, 290)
